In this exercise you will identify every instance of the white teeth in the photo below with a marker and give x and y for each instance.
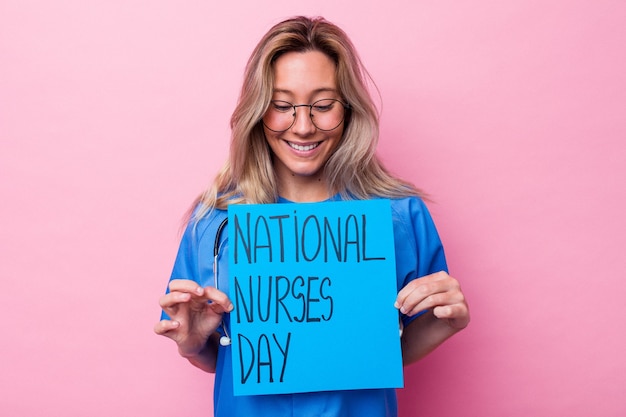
(303, 148)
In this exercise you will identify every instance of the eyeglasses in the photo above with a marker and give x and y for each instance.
(326, 114)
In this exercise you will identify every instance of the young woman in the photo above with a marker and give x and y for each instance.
(305, 129)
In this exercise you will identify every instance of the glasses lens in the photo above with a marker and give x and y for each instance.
(326, 114)
(279, 116)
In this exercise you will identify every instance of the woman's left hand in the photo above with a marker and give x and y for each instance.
(439, 292)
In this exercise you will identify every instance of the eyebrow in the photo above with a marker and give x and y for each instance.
(317, 91)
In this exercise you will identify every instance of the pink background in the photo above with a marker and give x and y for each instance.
(511, 114)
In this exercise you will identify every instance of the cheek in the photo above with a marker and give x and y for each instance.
(337, 139)
(274, 147)
(270, 137)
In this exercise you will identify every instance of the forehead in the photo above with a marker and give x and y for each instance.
(304, 74)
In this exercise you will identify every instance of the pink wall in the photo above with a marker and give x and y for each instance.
(114, 114)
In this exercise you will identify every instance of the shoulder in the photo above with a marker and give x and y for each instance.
(413, 223)
(408, 209)
(199, 227)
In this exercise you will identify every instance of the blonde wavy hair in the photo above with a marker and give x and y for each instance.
(353, 170)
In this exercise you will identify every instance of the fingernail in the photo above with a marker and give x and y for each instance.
(199, 290)
(396, 305)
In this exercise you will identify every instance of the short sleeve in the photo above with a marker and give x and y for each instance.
(194, 260)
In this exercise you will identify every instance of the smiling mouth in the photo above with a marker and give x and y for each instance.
(304, 148)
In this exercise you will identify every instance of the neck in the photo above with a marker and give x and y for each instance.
(303, 189)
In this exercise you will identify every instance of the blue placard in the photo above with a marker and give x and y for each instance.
(313, 285)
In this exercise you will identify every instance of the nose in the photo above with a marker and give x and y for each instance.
(303, 125)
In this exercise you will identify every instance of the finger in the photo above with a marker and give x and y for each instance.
(431, 279)
(413, 305)
(445, 312)
(456, 314)
(185, 285)
(420, 292)
(429, 294)
(172, 299)
(220, 302)
(438, 299)
(165, 326)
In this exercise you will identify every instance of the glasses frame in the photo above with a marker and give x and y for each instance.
(346, 108)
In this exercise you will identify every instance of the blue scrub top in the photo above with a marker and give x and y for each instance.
(419, 252)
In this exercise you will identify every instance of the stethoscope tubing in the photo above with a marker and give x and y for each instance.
(224, 340)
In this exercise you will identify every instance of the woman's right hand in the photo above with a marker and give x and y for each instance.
(195, 314)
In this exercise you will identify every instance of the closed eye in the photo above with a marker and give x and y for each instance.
(282, 106)
(323, 107)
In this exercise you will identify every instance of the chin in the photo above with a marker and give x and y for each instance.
(306, 169)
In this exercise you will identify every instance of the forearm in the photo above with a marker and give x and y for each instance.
(423, 335)
(206, 359)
